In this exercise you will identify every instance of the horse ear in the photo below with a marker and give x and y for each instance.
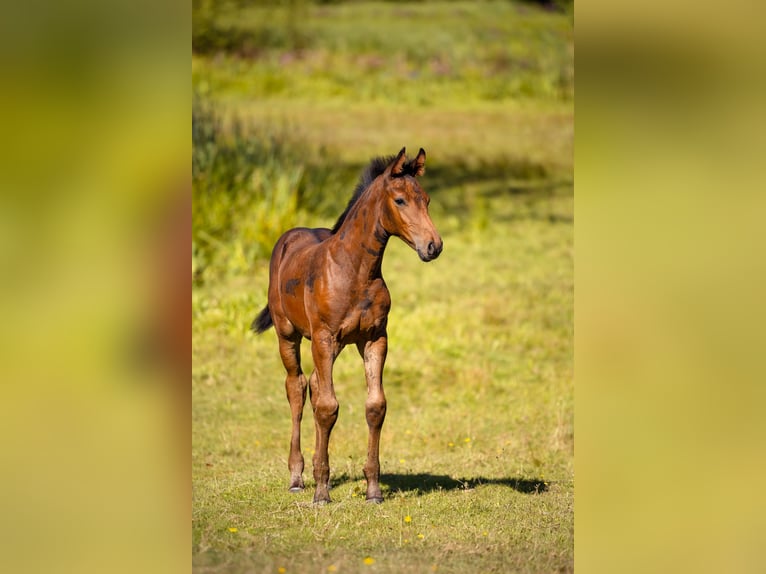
(418, 165)
(397, 165)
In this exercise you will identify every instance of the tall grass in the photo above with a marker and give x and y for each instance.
(245, 190)
(363, 79)
(250, 183)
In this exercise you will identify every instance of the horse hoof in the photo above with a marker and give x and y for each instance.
(295, 489)
(375, 500)
(321, 497)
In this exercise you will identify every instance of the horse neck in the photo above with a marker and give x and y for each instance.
(362, 235)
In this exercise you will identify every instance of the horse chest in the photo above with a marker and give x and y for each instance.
(368, 313)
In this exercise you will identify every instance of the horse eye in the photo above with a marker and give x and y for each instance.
(399, 201)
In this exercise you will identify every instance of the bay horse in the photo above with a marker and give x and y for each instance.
(326, 285)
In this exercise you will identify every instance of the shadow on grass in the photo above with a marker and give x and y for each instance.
(424, 483)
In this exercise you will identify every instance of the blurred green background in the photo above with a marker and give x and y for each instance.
(291, 100)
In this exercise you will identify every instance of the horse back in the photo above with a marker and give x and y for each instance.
(297, 241)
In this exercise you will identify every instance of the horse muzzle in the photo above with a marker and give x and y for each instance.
(432, 250)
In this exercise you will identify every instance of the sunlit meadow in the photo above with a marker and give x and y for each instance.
(477, 449)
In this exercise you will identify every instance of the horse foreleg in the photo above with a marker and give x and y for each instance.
(295, 388)
(374, 355)
(325, 407)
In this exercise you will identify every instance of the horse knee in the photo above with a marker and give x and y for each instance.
(375, 411)
(326, 412)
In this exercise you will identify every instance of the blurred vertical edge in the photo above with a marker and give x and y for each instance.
(95, 331)
(670, 277)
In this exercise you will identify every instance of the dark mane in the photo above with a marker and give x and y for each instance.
(377, 166)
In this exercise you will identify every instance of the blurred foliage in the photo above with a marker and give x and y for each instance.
(249, 185)
(210, 36)
(416, 52)
(362, 79)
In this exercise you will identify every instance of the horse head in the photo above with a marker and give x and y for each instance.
(405, 206)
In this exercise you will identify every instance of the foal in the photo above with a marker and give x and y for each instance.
(326, 285)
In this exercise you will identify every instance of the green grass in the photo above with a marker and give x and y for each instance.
(477, 448)
(478, 444)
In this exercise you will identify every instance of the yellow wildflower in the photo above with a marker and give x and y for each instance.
(421, 536)
(332, 568)
(281, 570)
(369, 560)
(408, 519)
(232, 529)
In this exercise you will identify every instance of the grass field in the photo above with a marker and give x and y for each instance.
(477, 451)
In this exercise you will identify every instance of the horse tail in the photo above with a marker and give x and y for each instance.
(262, 321)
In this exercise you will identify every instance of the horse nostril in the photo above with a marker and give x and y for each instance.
(431, 248)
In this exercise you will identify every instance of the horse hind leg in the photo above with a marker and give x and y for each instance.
(295, 387)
